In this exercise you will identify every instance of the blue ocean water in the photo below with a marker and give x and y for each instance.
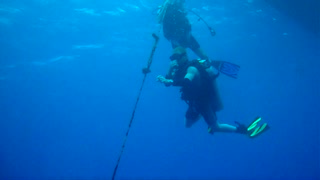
(70, 73)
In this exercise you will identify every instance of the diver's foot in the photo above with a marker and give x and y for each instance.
(241, 128)
(252, 130)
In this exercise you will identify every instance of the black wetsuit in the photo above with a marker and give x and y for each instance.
(199, 94)
(177, 28)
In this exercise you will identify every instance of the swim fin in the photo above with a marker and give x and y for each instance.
(252, 130)
(226, 68)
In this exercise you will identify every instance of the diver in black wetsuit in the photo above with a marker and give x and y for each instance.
(197, 80)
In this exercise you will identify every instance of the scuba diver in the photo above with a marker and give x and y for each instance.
(199, 90)
(177, 28)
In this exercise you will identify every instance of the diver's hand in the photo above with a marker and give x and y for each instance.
(162, 79)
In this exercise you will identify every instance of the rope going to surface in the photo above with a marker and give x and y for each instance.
(145, 71)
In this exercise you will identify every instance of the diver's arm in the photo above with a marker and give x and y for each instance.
(185, 82)
(173, 67)
(169, 74)
(167, 82)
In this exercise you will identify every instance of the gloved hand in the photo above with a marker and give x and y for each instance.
(162, 79)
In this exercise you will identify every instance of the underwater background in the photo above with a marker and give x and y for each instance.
(70, 73)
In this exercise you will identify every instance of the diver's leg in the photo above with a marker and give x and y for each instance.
(211, 119)
(226, 128)
(199, 52)
(192, 116)
(195, 47)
